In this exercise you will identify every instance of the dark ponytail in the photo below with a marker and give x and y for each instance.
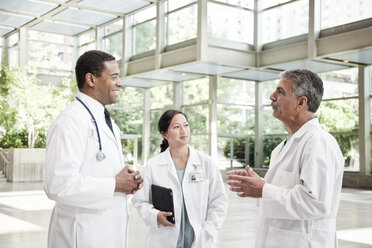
(163, 124)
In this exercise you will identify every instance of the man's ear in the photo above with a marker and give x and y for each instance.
(89, 79)
(302, 102)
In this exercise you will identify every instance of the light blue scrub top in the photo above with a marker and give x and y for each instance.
(186, 237)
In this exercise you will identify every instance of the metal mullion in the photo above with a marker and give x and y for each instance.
(340, 98)
(196, 104)
(236, 104)
(139, 23)
(112, 34)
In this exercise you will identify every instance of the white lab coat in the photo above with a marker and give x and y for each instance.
(206, 202)
(87, 212)
(301, 196)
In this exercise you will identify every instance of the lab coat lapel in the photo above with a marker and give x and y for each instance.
(279, 154)
(167, 159)
(193, 163)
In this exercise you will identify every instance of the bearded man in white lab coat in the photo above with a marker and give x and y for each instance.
(84, 166)
(300, 192)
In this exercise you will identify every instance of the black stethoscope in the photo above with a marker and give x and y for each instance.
(100, 155)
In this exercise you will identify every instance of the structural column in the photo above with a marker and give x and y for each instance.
(202, 31)
(258, 130)
(364, 79)
(213, 117)
(314, 28)
(146, 126)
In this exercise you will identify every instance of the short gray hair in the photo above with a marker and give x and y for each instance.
(308, 84)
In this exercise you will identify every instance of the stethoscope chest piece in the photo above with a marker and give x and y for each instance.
(100, 156)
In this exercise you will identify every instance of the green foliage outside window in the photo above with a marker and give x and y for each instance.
(27, 108)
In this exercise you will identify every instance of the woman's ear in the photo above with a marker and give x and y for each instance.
(164, 135)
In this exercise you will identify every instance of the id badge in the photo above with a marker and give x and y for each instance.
(196, 176)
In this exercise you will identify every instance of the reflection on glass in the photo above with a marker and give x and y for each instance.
(161, 96)
(338, 12)
(341, 83)
(155, 142)
(181, 25)
(235, 91)
(145, 37)
(230, 23)
(154, 119)
(232, 119)
(198, 118)
(285, 21)
(113, 45)
(195, 91)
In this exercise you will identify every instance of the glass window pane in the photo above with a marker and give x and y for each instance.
(87, 47)
(339, 115)
(235, 119)
(268, 88)
(198, 118)
(349, 145)
(50, 56)
(155, 142)
(235, 91)
(175, 4)
(162, 96)
(13, 54)
(199, 142)
(338, 12)
(144, 15)
(113, 27)
(13, 39)
(230, 23)
(232, 151)
(87, 37)
(341, 83)
(242, 3)
(270, 142)
(285, 21)
(182, 25)
(272, 125)
(48, 37)
(270, 3)
(196, 91)
(145, 37)
(113, 45)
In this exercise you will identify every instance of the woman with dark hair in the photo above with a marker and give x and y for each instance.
(200, 200)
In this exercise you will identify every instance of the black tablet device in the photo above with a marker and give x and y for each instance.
(162, 199)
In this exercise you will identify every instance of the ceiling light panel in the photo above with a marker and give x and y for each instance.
(359, 57)
(206, 68)
(59, 28)
(312, 65)
(170, 76)
(14, 19)
(32, 7)
(84, 16)
(115, 5)
(254, 75)
(5, 30)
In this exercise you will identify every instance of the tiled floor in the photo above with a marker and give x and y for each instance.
(25, 213)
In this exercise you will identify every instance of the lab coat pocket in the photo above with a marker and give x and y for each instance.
(201, 193)
(277, 237)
